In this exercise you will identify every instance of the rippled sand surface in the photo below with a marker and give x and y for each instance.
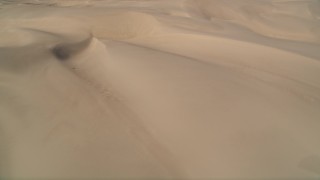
(162, 89)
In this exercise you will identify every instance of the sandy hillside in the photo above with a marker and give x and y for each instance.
(160, 89)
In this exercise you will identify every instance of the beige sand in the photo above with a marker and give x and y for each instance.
(160, 89)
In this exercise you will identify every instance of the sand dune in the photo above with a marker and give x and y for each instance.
(159, 89)
(292, 20)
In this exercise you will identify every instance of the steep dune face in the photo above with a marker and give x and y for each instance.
(159, 89)
(61, 122)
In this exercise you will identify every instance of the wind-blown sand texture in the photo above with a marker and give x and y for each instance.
(160, 89)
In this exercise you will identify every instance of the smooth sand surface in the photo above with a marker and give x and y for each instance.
(162, 89)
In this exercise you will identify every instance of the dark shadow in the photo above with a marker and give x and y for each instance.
(66, 50)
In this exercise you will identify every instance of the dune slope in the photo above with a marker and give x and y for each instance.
(159, 89)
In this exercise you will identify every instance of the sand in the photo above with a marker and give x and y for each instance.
(162, 89)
